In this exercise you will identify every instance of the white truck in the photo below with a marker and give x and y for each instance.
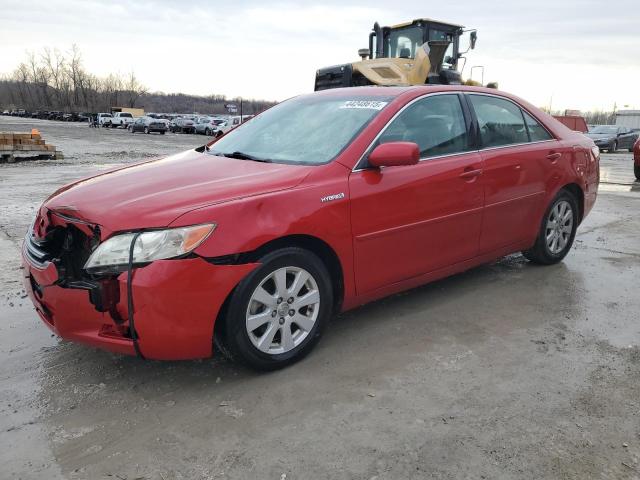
(121, 119)
(103, 119)
(229, 124)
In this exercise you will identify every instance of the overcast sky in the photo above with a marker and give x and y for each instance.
(582, 54)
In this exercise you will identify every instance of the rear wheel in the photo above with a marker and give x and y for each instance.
(557, 231)
(614, 147)
(636, 170)
(146, 130)
(277, 314)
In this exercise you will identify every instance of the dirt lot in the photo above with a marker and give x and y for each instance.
(506, 371)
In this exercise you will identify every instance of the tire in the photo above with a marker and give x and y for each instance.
(132, 130)
(146, 130)
(636, 171)
(207, 132)
(161, 132)
(614, 147)
(241, 343)
(543, 251)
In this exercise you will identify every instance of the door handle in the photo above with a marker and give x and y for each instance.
(470, 173)
(554, 156)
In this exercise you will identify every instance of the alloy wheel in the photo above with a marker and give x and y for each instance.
(559, 227)
(282, 310)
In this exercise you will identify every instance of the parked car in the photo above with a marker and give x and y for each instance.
(6, 112)
(210, 126)
(636, 159)
(320, 204)
(104, 119)
(182, 125)
(612, 137)
(83, 117)
(121, 119)
(148, 125)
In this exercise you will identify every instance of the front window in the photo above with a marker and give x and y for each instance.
(403, 42)
(436, 123)
(308, 130)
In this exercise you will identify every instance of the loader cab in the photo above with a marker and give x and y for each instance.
(412, 53)
(404, 40)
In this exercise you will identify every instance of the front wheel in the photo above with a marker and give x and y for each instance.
(614, 147)
(557, 231)
(636, 170)
(277, 314)
(146, 130)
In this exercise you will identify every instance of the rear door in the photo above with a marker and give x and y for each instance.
(519, 155)
(411, 220)
(625, 138)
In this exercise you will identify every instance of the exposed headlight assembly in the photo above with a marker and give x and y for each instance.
(150, 246)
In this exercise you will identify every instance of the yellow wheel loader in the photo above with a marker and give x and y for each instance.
(412, 53)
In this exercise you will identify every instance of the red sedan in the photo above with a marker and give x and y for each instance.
(320, 204)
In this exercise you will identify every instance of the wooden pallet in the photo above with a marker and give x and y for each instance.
(25, 145)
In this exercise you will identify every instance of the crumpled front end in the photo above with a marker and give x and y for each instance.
(175, 302)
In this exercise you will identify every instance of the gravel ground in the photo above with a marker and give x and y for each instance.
(506, 371)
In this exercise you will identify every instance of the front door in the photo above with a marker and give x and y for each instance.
(411, 220)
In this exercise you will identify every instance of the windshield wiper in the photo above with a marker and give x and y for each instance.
(242, 156)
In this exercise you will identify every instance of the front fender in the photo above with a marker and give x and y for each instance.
(244, 225)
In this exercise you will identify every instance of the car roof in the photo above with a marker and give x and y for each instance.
(405, 94)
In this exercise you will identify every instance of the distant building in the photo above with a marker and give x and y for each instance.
(136, 112)
(628, 118)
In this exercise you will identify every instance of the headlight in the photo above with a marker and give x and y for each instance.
(150, 246)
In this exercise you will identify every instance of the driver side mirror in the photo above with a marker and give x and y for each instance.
(395, 154)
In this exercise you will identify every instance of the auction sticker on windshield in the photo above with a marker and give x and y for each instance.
(370, 104)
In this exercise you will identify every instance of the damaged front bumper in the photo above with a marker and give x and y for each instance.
(176, 303)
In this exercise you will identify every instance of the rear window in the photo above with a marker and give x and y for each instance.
(537, 132)
(500, 121)
(128, 115)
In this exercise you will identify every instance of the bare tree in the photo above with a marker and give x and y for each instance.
(52, 80)
(134, 90)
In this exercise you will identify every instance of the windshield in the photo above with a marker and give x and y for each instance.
(604, 129)
(308, 130)
(403, 43)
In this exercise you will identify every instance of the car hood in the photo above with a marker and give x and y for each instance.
(600, 136)
(154, 193)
